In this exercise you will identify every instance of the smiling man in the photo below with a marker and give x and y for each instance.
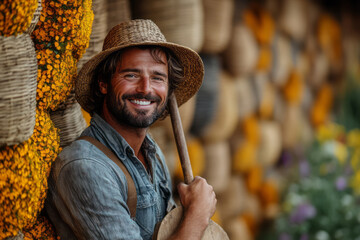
(125, 88)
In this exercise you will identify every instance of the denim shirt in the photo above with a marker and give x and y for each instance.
(88, 191)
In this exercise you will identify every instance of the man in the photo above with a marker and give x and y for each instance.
(125, 88)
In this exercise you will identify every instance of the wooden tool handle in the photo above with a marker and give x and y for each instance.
(180, 139)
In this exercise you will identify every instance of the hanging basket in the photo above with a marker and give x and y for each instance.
(181, 22)
(226, 118)
(35, 18)
(69, 120)
(207, 96)
(270, 143)
(293, 19)
(218, 16)
(98, 32)
(281, 59)
(117, 11)
(218, 165)
(246, 98)
(241, 54)
(18, 82)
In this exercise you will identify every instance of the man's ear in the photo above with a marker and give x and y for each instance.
(103, 87)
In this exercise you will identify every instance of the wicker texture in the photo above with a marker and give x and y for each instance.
(98, 31)
(207, 97)
(117, 11)
(69, 120)
(218, 16)
(241, 54)
(180, 21)
(226, 118)
(35, 18)
(135, 33)
(18, 75)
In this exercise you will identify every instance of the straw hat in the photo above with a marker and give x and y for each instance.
(136, 33)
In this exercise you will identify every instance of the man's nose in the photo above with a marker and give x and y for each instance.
(144, 85)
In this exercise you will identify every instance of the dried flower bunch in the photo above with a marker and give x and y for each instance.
(60, 37)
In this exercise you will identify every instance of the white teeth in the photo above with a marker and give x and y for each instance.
(143, 103)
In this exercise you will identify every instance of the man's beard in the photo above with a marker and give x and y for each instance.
(119, 109)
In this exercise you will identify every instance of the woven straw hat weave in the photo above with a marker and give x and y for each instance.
(139, 33)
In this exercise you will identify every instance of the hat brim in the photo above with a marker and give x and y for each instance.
(189, 59)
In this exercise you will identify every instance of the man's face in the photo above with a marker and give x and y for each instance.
(137, 95)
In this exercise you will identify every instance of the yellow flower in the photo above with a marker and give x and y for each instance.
(330, 131)
(341, 152)
(16, 16)
(353, 138)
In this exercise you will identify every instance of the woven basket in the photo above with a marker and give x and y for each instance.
(270, 143)
(18, 82)
(218, 165)
(69, 120)
(237, 228)
(281, 60)
(35, 18)
(180, 21)
(218, 17)
(231, 202)
(207, 96)
(226, 118)
(264, 94)
(117, 11)
(98, 32)
(246, 98)
(241, 53)
(291, 126)
(293, 18)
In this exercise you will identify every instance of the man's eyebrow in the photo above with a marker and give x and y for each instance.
(160, 74)
(130, 70)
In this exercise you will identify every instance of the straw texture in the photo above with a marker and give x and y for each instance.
(180, 21)
(207, 97)
(69, 120)
(117, 11)
(18, 74)
(98, 31)
(135, 33)
(226, 118)
(218, 16)
(241, 54)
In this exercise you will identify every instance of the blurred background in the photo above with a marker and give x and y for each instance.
(274, 128)
(275, 125)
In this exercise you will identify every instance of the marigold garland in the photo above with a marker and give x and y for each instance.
(20, 174)
(16, 16)
(61, 38)
(42, 230)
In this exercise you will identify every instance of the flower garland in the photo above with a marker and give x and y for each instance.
(61, 38)
(16, 16)
(42, 229)
(19, 187)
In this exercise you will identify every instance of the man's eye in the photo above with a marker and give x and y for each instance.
(130, 76)
(160, 79)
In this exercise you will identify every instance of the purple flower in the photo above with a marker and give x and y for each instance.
(284, 236)
(304, 168)
(304, 237)
(303, 212)
(341, 183)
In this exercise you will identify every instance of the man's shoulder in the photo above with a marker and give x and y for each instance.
(79, 150)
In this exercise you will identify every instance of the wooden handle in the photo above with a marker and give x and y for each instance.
(180, 139)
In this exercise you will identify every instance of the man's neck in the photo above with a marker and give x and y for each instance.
(133, 136)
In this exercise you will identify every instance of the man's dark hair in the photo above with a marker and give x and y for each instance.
(106, 69)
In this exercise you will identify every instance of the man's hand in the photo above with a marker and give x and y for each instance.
(199, 202)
